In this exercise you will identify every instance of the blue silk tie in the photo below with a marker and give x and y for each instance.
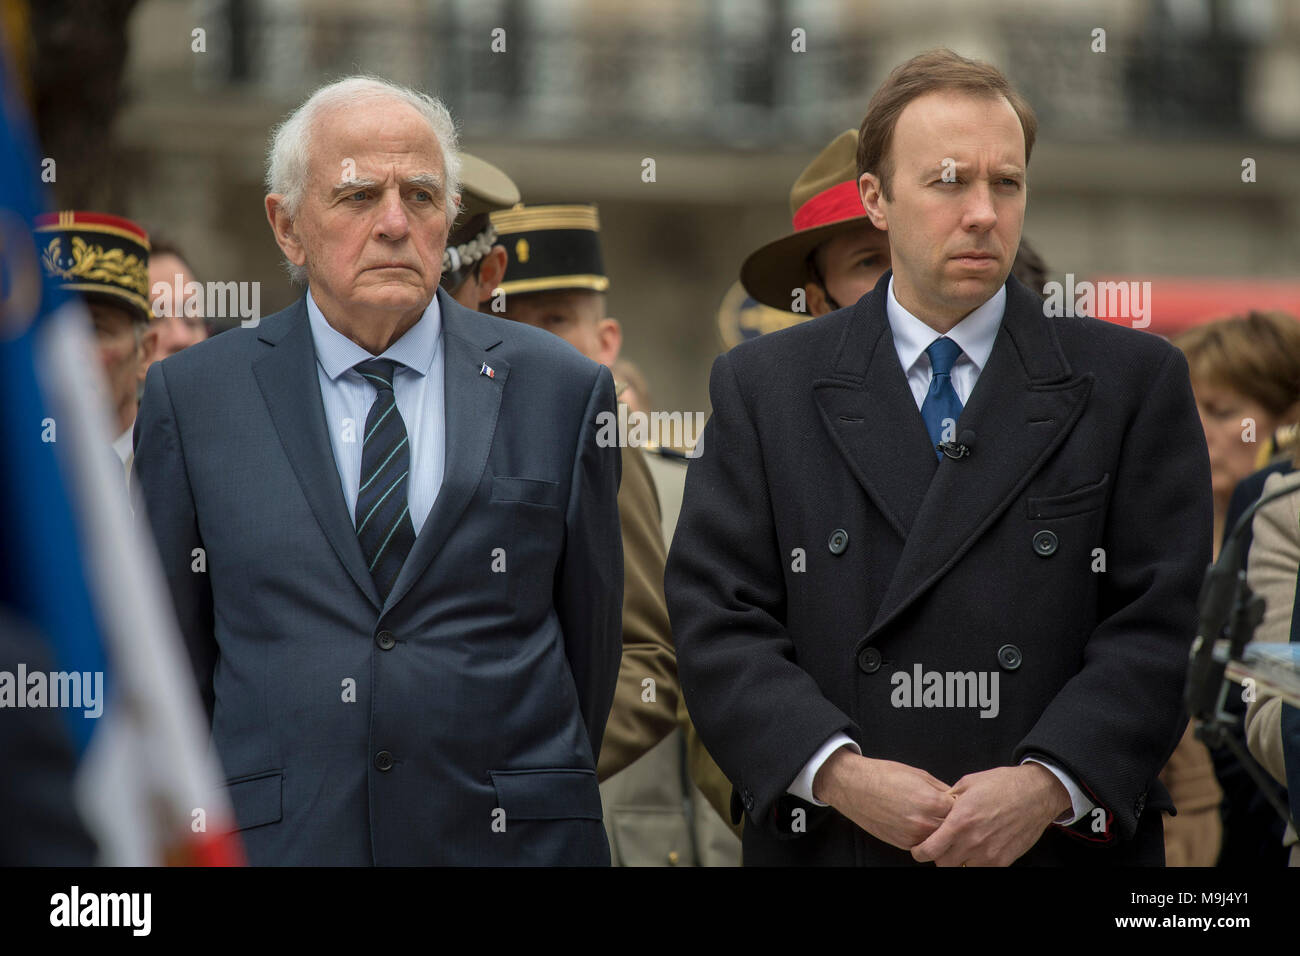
(942, 407)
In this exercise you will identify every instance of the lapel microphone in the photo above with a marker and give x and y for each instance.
(960, 449)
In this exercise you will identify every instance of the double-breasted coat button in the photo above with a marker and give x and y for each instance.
(383, 760)
(839, 541)
(1045, 543)
(385, 640)
(869, 660)
(1009, 657)
(749, 801)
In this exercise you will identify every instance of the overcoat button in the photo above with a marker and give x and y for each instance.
(383, 760)
(839, 541)
(1009, 657)
(385, 640)
(1045, 543)
(869, 660)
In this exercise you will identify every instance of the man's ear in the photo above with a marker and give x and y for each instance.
(282, 228)
(873, 201)
(816, 299)
(491, 273)
(148, 346)
(610, 335)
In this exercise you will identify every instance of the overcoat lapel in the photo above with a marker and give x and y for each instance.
(1023, 407)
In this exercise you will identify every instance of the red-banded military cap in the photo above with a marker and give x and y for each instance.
(100, 257)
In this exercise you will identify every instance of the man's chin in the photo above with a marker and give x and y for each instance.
(393, 296)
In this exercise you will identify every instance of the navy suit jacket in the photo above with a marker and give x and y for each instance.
(457, 722)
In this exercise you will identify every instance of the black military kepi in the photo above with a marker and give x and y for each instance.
(483, 189)
(551, 248)
(103, 258)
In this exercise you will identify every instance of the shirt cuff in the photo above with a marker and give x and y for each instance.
(803, 783)
(1080, 805)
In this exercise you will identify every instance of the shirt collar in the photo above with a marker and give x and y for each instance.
(337, 353)
(974, 334)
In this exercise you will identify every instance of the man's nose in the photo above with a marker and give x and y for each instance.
(980, 213)
(392, 222)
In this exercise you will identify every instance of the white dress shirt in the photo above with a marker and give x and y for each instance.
(975, 335)
(417, 388)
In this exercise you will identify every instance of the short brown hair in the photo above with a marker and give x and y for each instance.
(927, 73)
(1256, 355)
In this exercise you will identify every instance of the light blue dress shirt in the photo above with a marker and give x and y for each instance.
(417, 387)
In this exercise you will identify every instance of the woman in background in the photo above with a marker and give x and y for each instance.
(1245, 373)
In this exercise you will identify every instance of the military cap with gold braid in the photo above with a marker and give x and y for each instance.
(483, 189)
(103, 258)
(551, 247)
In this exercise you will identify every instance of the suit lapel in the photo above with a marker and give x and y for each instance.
(1023, 407)
(290, 386)
(472, 402)
(867, 406)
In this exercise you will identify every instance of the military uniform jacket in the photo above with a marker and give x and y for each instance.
(824, 559)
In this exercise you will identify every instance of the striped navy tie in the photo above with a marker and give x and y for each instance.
(383, 517)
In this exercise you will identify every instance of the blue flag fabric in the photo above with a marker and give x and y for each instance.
(43, 576)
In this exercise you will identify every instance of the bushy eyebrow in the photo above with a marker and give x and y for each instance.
(428, 181)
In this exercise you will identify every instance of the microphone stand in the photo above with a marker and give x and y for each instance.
(1229, 608)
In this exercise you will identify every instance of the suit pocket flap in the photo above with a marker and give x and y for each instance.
(1076, 502)
(547, 794)
(534, 491)
(256, 799)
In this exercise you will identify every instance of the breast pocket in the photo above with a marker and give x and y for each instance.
(533, 510)
(1080, 501)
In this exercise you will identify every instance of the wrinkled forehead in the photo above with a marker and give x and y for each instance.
(358, 139)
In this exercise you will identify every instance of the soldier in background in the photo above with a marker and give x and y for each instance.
(474, 262)
(555, 280)
(834, 255)
(105, 260)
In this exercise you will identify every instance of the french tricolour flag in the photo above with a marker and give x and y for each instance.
(75, 566)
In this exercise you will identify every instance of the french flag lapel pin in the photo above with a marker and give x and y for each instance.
(487, 370)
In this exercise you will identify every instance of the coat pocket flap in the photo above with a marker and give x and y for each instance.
(547, 794)
(256, 798)
(1079, 501)
(535, 491)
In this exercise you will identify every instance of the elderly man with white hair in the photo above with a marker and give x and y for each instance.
(390, 533)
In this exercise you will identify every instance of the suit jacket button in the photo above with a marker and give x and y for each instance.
(383, 760)
(839, 541)
(385, 640)
(869, 660)
(1009, 657)
(749, 801)
(1045, 543)
(1140, 805)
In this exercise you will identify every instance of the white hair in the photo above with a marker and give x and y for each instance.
(288, 158)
